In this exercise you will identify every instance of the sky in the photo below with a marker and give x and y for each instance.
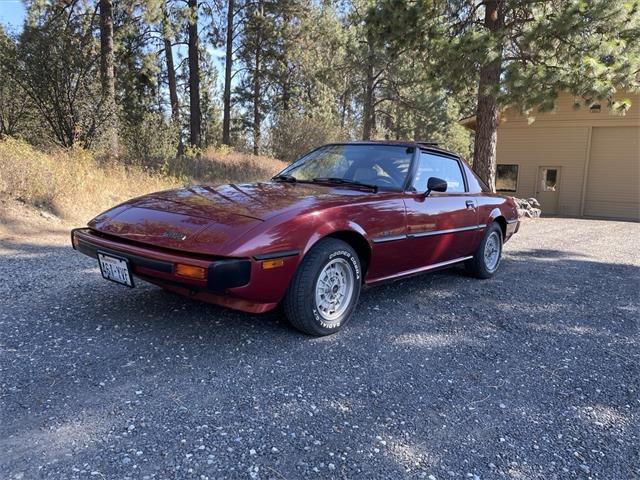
(12, 14)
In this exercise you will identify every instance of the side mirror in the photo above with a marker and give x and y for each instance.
(435, 184)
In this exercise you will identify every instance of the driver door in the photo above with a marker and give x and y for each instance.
(440, 226)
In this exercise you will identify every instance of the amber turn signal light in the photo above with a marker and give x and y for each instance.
(191, 271)
(273, 263)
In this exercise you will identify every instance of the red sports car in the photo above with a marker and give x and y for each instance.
(342, 216)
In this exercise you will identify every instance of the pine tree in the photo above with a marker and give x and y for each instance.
(195, 114)
(230, 33)
(107, 75)
(55, 63)
(519, 53)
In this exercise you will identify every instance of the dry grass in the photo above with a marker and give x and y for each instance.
(223, 166)
(73, 185)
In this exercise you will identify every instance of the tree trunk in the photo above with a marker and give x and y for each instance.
(173, 92)
(368, 121)
(228, 64)
(107, 76)
(343, 109)
(195, 117)
(368, 114)
(257, 120)
(398, 121)
(171, 80)
(487, 111)
(286, 95)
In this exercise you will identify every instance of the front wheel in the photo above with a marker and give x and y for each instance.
(486, 259)
(325, 289)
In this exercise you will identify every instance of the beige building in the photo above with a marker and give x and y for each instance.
(583, 162)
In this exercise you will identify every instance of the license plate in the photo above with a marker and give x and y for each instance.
(115, 269)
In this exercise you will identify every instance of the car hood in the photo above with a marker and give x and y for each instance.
(205, 219)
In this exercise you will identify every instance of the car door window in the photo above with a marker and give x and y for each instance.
(446, 168)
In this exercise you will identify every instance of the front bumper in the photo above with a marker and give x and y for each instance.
(228, 281)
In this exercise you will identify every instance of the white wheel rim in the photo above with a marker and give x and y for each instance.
(492, 251)
(334, 289)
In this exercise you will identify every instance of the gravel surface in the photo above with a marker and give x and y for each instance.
(533, 374)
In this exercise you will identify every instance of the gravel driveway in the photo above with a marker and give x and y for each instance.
(533, 374)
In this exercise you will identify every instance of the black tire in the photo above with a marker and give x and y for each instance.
(477, 266)
(300, 304)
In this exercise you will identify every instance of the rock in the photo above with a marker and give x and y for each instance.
(47, 215)
(533, 202)
(529, 208)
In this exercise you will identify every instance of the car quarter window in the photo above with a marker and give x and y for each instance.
(446, 168)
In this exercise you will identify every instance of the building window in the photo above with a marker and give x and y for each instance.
(507, 178)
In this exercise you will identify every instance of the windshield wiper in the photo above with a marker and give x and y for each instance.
(343, 181)
(285, 178)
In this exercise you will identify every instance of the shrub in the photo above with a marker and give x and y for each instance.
(152, 142)
(294, 134)
(219, 165)
(70, 182)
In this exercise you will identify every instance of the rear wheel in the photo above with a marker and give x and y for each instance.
(486, 260)
(325, 289)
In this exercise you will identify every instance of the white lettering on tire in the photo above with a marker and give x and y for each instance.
(356, 268)
(346, 254)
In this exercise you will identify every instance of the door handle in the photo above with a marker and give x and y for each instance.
(470, 204)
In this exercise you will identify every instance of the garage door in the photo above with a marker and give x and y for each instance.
(613, 184)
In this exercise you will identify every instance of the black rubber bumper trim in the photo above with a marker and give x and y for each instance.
(229, 273)
(389, 238)
(280, 254)
(221, 274)
(91, 250)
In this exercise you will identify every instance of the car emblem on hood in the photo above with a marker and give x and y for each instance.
(174, 235)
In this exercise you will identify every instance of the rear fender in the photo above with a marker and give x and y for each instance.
(495, 213)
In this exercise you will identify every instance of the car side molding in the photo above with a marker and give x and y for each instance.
(426, 233)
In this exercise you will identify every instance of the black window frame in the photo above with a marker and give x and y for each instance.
(437, 153)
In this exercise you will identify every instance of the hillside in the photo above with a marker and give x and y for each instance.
(53, 190)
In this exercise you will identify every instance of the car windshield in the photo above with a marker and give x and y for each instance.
(384, 166)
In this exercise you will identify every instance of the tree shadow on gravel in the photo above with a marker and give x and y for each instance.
(531, 374)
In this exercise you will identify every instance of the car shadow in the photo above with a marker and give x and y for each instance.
(434, 374)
